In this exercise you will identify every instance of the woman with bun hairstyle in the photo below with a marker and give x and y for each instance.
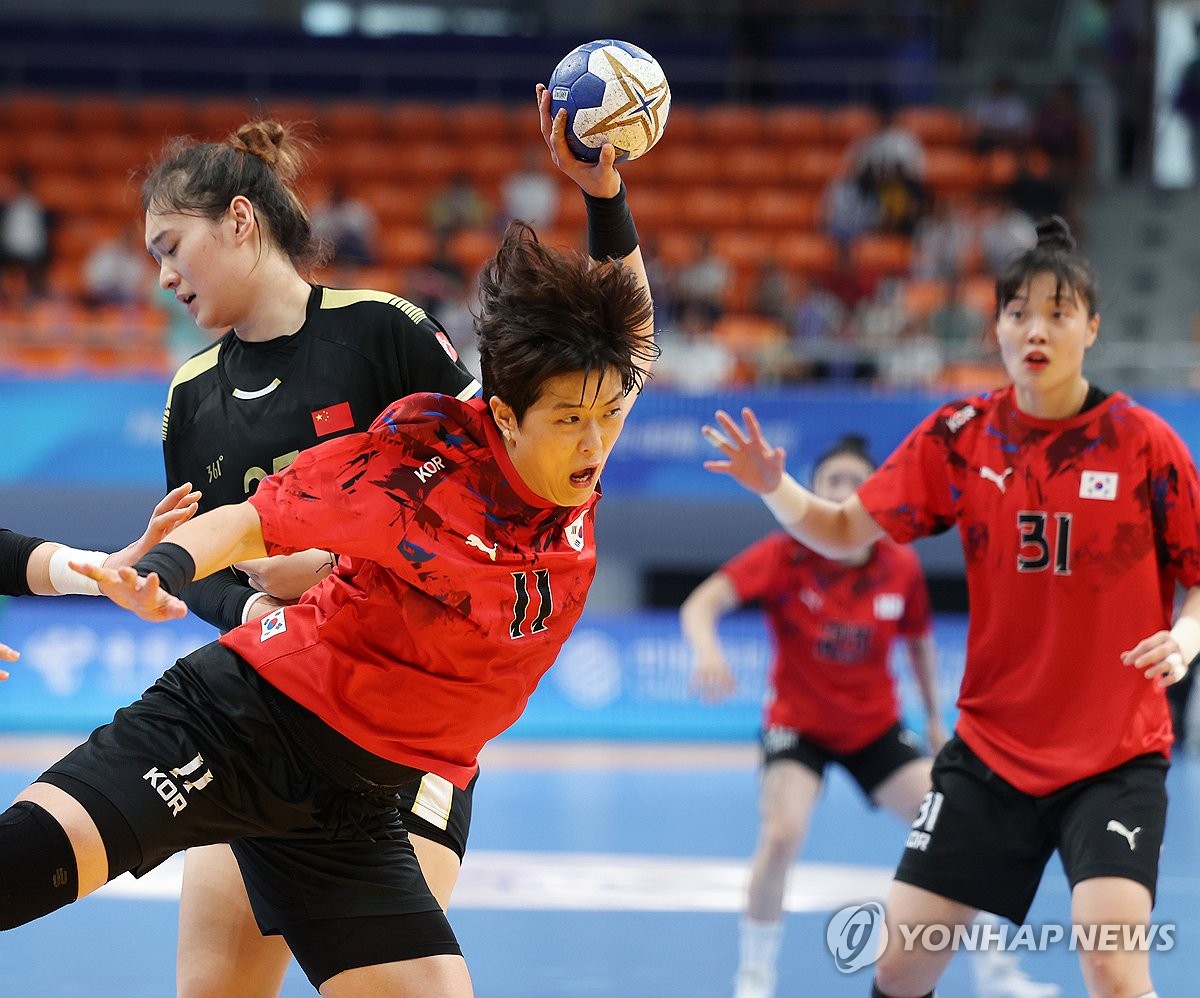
(1078, 512)
(295, 364)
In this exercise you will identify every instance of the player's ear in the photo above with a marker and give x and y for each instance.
(241, 213)
(502, 413)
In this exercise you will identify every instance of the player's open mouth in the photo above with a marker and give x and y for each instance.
(187, 301)
(1037, 360)
(582, 479)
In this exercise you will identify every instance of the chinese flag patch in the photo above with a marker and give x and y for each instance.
(333, 418)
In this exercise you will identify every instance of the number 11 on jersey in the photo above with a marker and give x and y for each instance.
(541, 577)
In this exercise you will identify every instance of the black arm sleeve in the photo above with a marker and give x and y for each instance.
(15, 550)
(218, 598)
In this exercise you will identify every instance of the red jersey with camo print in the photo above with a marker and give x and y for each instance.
(1075, 533)
(833, 627)
(455, 590)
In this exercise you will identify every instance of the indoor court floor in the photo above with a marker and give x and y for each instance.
(607, 871)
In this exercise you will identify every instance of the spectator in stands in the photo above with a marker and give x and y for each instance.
(1061, 131)
(1005, 232)
(849, 207)
(959, 329)
(1000, 117)
(25, 227)
(773, 294)
(117, 271)
(531, 193)
(439, 281)
(348, 225)
(1035, 190)
(701, 286)
(692, 360)
(459, 205)
(943, 241)
(890, 163)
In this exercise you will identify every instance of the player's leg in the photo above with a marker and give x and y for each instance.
(222, 953)
(790, 783)
(976, 843)
(1111, 836)
(428, 977)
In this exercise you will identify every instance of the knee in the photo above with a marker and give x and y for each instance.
(39, 873)
(1115, 974)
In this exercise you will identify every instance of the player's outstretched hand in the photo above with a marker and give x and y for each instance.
(176, 507)
(1159, 658)
(7, 655)
(598, 179)
(712, 678)
(140, 594)
(750, 460)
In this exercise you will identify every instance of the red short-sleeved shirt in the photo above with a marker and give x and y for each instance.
(833, 626)
(455, 590)
(1075, 533)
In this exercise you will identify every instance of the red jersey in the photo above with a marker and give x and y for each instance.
(832, 625)
(455, 589)
(1075, 532)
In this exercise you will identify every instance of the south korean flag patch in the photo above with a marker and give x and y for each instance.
(1098, 485)
(272, 624)
(574, 532)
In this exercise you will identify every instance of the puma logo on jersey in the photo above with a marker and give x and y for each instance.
(1125, 833)
(475, 542)
(998, 479)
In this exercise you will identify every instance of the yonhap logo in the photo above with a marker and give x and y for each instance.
(856, 936)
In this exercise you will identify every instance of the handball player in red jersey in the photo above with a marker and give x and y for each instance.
(1077, 511)
(467, 549)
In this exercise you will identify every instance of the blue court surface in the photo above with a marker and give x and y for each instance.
(608, 871)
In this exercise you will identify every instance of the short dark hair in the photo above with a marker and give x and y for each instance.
(258, 161)
(545, 312)
(853, 444)
(1055, 253)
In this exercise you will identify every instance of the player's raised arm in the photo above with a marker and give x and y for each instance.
(210, 542)
(836, 530)
(611, 232)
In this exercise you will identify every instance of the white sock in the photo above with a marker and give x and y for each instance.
(987, 963)
(759, 944)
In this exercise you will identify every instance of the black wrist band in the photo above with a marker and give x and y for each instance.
(173, 564)
(610, 228)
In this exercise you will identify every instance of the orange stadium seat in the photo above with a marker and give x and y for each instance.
(784, 208)
(999, 167)
(949, 170)
(48, 150)
(484, 121)
(806, 252)
(24, 109)
(491, 162)
(469, 248)
(978, 292)
(711, 208)
(923, 297)
(353, 120)
(790, 126)
(688, 164)
(293, 112)
(683, 126)
(726, 125)
(934, 126)
(99, 113)
(406, 245)
(364, 160)
(217, 117)
(432, 161)
(416, 121)
(850, 122)
(67, 194)
(673, 247)
(109, 155)
(882, 253)
(159, 117)
(563, 237)
(744, 249)
(657, 207)
(753, 166)
(394, 203)
(813, 166)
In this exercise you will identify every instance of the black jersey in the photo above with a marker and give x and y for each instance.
(237, 412)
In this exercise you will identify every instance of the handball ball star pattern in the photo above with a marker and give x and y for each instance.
(612, 91)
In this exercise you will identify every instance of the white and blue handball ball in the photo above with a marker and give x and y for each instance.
(613, 91)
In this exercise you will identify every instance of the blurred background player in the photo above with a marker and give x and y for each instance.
(301, 364)
(1079, 514)
(832, 700)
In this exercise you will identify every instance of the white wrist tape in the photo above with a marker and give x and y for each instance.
(249, 603)
(65, 580)
(787, 501)
(1186, 634)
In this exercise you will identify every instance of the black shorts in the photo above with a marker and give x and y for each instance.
(213, 753)
(870, 766)
(435, 809)
(981, 841)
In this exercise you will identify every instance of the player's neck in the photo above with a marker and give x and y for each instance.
(279, 309)
(1060, 402)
